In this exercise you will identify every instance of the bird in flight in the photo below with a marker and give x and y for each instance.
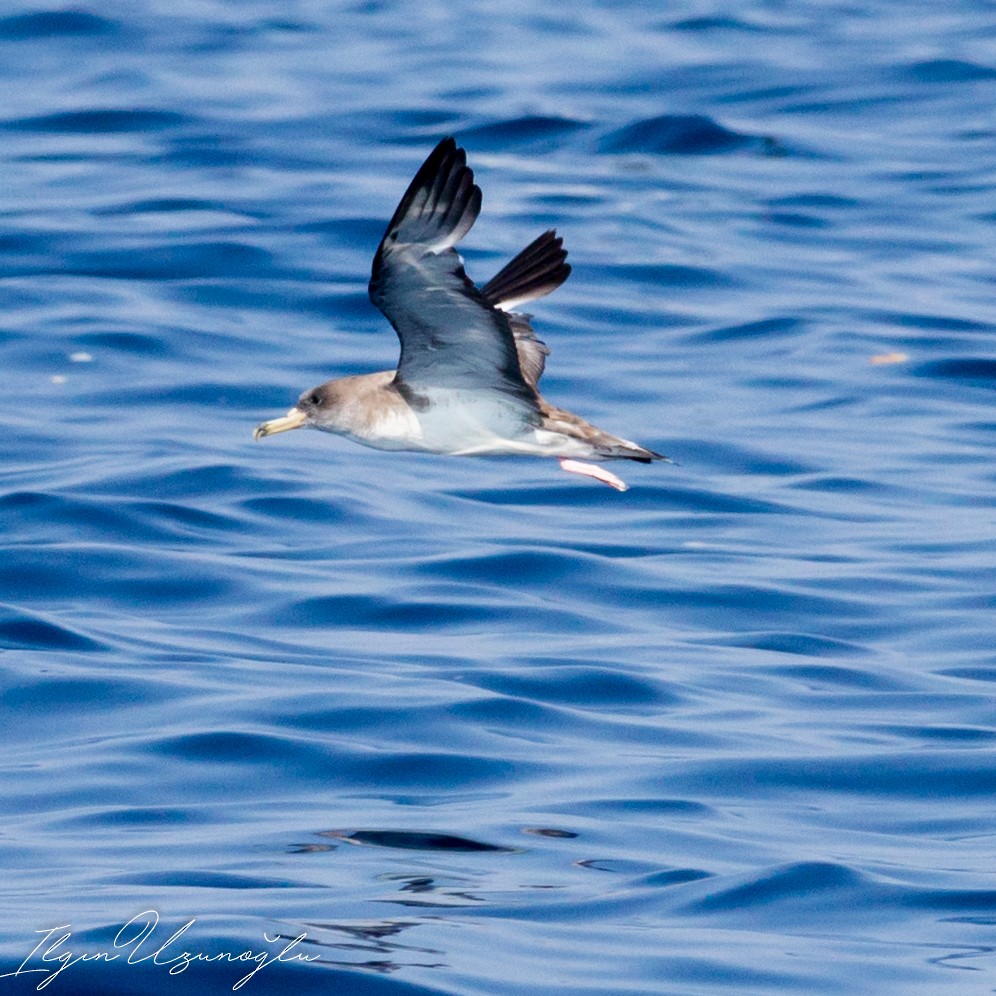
(466, 383)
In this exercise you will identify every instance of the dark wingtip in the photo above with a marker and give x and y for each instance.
(539, 269)
(441, 201)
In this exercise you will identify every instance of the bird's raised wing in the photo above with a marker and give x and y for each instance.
(451, 336)
(536, 271)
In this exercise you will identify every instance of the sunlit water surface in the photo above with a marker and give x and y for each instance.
(481, 727)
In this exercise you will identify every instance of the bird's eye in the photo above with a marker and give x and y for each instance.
(315, 398)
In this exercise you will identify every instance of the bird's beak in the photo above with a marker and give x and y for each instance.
(294, 419)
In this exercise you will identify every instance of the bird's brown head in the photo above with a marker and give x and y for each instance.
(346, 406)
(302, 414)
(331, 407)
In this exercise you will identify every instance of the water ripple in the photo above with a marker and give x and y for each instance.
(478, 726)
(671, 134)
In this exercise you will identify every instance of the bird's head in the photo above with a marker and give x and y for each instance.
(338, 406)
(313, 407)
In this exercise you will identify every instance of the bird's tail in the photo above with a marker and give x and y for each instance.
(614, 448)
(603, 445)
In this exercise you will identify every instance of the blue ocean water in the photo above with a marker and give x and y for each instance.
(330, 720)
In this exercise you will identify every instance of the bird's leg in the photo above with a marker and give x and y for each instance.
(592, 470)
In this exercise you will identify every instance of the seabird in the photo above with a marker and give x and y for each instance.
(466, 383)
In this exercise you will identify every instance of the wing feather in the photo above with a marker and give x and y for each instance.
(451, 335)
(536, 271)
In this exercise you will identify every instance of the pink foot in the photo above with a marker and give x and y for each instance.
(591, 470)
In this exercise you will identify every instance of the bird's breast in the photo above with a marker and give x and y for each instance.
(392, 427)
